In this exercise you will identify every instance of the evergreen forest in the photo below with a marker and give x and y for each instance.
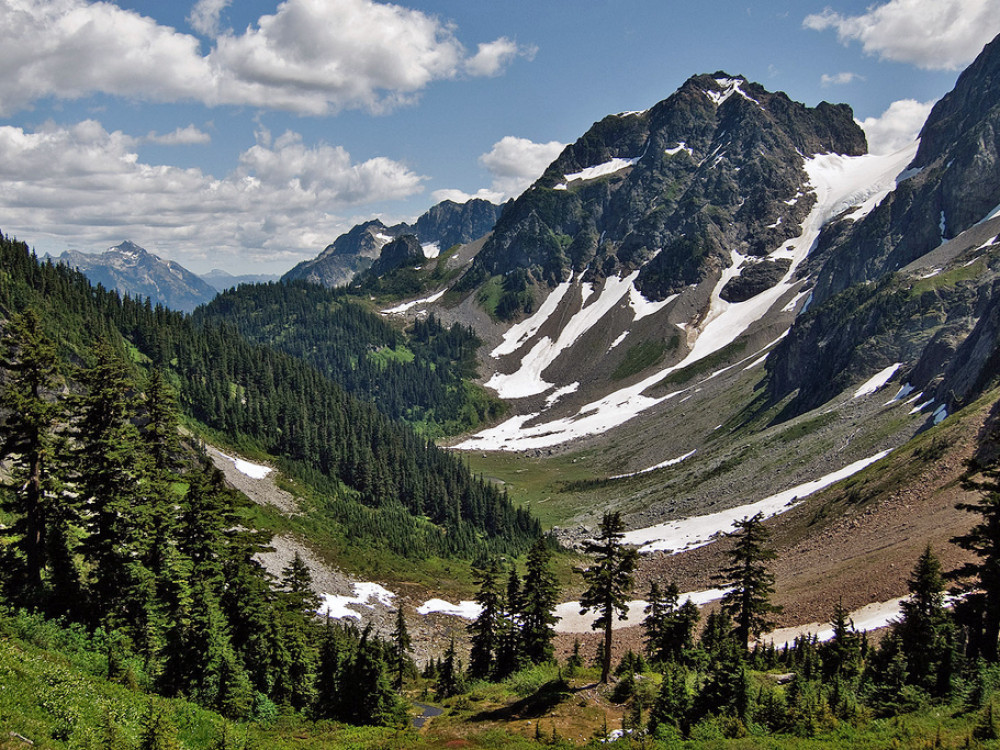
(421, 375)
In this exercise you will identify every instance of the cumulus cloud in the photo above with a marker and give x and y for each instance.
(492, 57)
(839, 79)
(514, 163)
(309, 56)
(897, 127)
(205, 15)
(187, 136)
(86, 186)
(931, 34)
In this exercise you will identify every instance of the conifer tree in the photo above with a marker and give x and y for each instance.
(609, 581)
(116, 490)
(160, 431)
(485, 629)
(842, 653)
(925, 628)
(540, 596)
(980, 580)
(448, 679)
(28, 439)
(401, 645)
(751, 583)
(296, 584)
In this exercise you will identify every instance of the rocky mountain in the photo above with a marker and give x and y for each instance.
(222, 280)
(132, 270)
(444, 225)
(405, 250)
(673, 191)
(709, 298)
(913, 281)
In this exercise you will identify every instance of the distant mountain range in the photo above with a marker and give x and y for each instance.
(442, 226)
(131, 270)
(221, 280)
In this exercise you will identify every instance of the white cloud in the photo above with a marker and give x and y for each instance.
(839, 79)
(492, 57)
(86, 187)
(187, 136)
(897, 127)
(310, 56)
(515, 163)
(205, 15)
(931, 34)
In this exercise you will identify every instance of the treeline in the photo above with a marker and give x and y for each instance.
(113, 523)
(419, 375)
(412, 497)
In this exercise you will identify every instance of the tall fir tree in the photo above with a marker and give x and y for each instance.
(538, 600)
(750, 583)
(115, 488)
(980, 580)
(609, 581)
(925, 629)
(28, 441)
(401, 645)
(485, 629)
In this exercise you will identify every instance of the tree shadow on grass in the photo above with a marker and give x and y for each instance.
(538, 704)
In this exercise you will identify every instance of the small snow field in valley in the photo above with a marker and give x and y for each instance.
(697, 531)
(338, 607)
(869, 617)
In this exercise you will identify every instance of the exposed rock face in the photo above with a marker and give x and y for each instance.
(955, 182)
(131, 270)
(446, 224)
(755, 279)
(349, 255)
(449, 223)
(402, 251)
(717, 168)
(865, 314)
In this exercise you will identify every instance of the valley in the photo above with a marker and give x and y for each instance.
(719, 374)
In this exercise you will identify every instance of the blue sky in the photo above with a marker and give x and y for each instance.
(248, 134)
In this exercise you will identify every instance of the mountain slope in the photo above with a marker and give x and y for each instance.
(442, 226)
(929, 248)
(129, 269)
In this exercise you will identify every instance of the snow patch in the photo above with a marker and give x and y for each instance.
(697, 531)
(869, 617)
(517, 335)
(431, 250)
(558, 394)
(600, 170)
(940, 414)
(681, 146)
(338, 607)
(729, 86)
(643, 307)
(661, 465)
(877, 380)
(254, 471)
(527, 380)
(618, 340)
(904, 390)
(406, 306)
(571, 621)
(465, 609)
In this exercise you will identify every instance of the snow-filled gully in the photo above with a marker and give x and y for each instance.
(839, 183)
